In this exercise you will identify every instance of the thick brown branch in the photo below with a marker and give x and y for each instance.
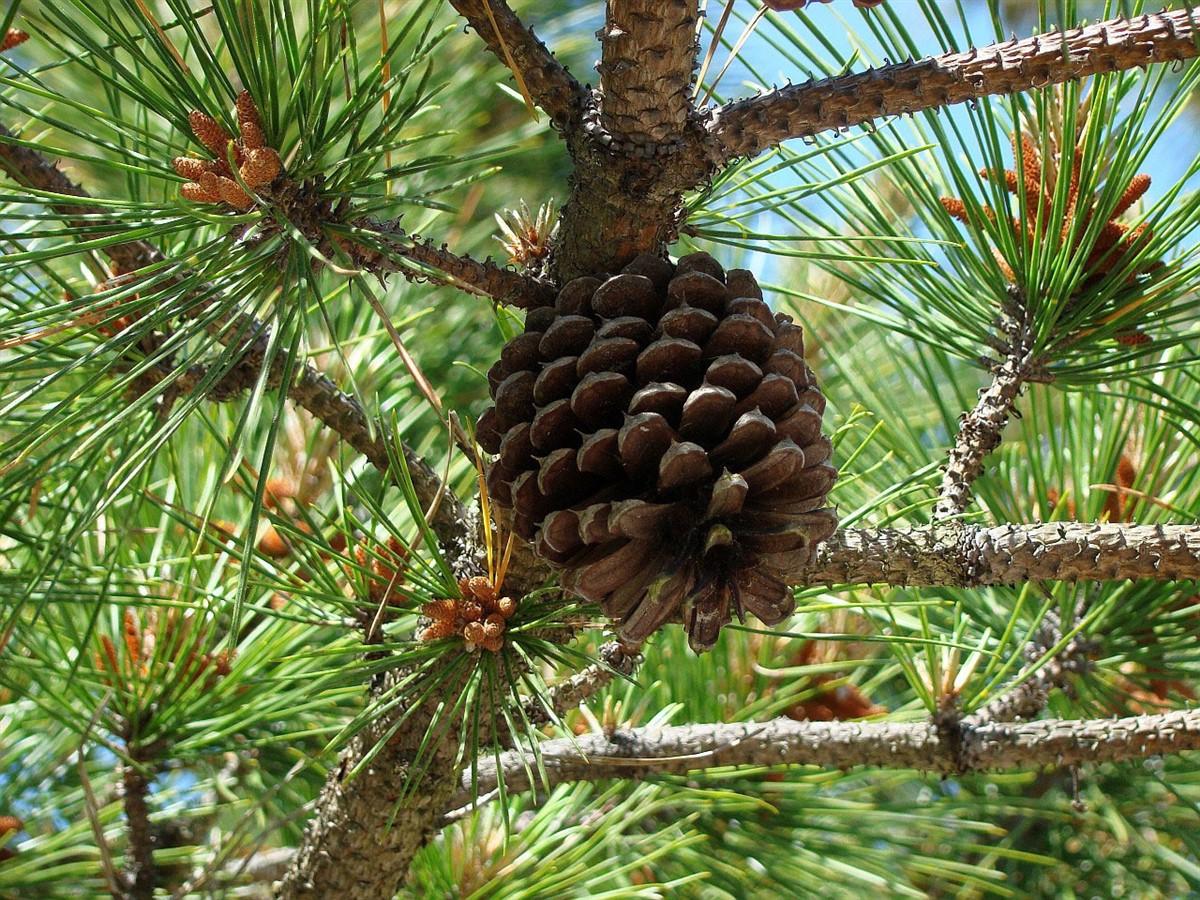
(747, 127)
(309, 388)
(365, 830)
(644, 752)
(139, 871)
(956, 555)
(640, 149)
(646, 69)
(551, 86)
(960, 555)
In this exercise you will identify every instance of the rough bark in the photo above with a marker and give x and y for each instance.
(648, 54)
(568, 694)
(139, 873)
(747, 127)
(640, 147)
(956, 555)
(643, 752)
(364, 831)
(485, 277)
(978, 435)
(1028, 698)
(621, 204)
(550, 85)
(979, 430)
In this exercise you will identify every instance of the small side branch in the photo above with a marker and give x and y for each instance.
(646, 69)
(957, 555)
(568, 694)
(645, 752)
(1028, 698)
(487, 278)
(747, 127)
(979, 430)
(549, 84)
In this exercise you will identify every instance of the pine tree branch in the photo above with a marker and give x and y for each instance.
(139, 875)
(549, 84)
(309, 388)
(487, 278)
(648, 57)
(955, 554)
(979, 430)
(747, 127)
(1028, 698)
(959, 555)
(365, 830)
(568, 694)
(644, 752)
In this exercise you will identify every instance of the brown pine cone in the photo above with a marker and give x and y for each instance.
(659, 437)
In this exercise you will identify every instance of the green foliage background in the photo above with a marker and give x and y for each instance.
(108, 502)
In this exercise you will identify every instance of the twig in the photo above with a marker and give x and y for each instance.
(616, 661)
(747, 127)
(645, 752)
(979, 430)
(91, 808)
(1027, 698)
(487, 278)
(551, 86)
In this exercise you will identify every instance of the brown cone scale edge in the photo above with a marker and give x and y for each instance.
(658, 437)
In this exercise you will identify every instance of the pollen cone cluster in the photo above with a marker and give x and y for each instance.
(659, 437)
(212, 181)
(479, 615)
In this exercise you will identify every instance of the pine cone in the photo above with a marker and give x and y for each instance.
(659, 437)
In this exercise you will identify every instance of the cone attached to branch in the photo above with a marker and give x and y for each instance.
(659, 438)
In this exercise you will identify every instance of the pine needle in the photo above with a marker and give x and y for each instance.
(737, 47)
(712, 46)
(162, 36)
(385, 76)
(511, 63)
